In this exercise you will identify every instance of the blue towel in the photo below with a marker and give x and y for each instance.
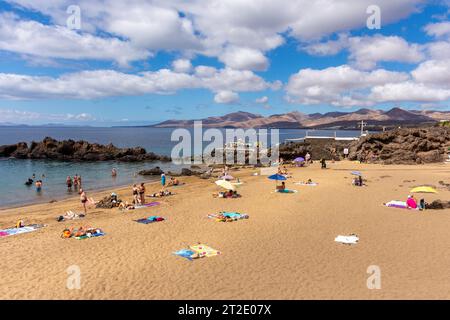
(185, 253)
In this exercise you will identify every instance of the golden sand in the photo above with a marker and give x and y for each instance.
(286, 250)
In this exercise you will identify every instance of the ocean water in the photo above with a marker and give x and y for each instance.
(95, 175)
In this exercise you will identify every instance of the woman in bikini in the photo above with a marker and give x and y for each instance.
(136, 199)
(142, 193)
(83, 199)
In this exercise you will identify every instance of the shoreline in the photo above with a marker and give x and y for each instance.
(285, 250)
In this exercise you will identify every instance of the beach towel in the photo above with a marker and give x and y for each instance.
(147, 205)
(150, 220)
(96, 233)
(286, 191)
(312, 184)
(186, 253)
(13, 231)
(351, 239)
(228, 216)
(204, 251)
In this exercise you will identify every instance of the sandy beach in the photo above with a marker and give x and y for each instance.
(285, 250)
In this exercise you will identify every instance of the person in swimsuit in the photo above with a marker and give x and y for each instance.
(136, 199)
(69, 183)
(114, 172)
(39, 185)
(75, 181)
(142, 193)
(83, 199)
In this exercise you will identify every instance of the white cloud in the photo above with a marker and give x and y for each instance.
(12, 115)
(182, 65)
(436, 72)
(339, 86)
(244, 59)
(36, 39)
(226, 97)
(262, 100)
(408, 91)
(216, 28)
(439, 29)
(107, 83)
(366, 52)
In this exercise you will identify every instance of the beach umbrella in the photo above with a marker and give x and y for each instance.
(299, 159)
(226, 185)
(227, 177)
(356, 173)
(277, 177)
(423, 189)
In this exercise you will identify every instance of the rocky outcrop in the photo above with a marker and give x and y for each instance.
(71, 150)
(328, 149)
(151, 172)
(438, 205)
(403, 146)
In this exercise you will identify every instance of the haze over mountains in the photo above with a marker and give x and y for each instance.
(295, 119)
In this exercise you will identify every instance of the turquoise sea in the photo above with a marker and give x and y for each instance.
(95, 175)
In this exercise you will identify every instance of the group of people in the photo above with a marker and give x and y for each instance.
(75, 182)
(139, 194)
(37, 183)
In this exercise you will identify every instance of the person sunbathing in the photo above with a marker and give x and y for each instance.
(411, 202)
(80, 232)
(126, 206)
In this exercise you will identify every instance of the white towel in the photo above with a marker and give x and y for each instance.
(347, 239)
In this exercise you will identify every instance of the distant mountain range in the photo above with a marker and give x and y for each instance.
(334, 120)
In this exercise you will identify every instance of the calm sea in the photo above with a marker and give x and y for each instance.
(13, 173)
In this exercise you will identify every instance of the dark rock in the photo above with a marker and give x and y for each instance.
(438, 204)
(403, 146)
(77, 151)
(151, 172)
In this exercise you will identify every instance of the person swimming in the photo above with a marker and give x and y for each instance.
(29, 182)
(38, 185)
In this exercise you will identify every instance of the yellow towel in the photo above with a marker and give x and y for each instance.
(204, 250)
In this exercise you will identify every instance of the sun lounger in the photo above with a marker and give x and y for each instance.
(150, 220)
(351, 239)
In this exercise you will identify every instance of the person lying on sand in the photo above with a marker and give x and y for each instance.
(126, 206)
(161, 193)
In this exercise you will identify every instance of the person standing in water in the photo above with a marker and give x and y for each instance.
(114, 172)
(75, 181)
(39, 185)
(83, 199)
(69, 183)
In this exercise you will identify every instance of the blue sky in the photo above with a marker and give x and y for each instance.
(148, 61)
